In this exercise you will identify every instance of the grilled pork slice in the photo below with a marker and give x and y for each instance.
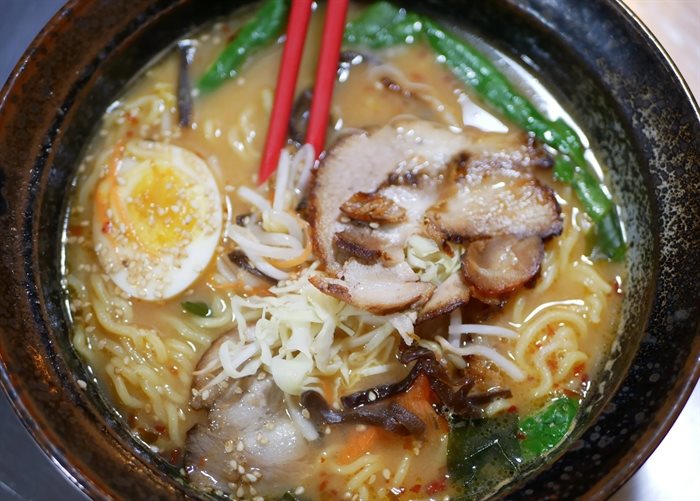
(362, 163)
(247, 441)
(375, 189)
(499, 265)
(203, 393)
(373, 208)
(376, 288)
(448, 296)
(496, 204)
(364, 245)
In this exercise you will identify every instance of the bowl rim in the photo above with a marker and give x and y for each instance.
(672, 408)
(22, 403)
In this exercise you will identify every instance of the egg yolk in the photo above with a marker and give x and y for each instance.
(157, 208)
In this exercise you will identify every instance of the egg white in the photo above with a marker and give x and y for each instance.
(154, 251)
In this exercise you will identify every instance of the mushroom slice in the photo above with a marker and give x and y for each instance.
(373, 207)
(499, 265)
(448, 296)
(498, 203)
(376, 288)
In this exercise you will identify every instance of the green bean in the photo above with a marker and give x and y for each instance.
(260, 31)
(383, 25)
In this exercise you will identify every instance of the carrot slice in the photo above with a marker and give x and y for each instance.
(419, 400)
(358, 443)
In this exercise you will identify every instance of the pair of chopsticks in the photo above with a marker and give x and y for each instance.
(287, 80)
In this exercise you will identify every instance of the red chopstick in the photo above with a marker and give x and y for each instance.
(286, 84)
(326, 73)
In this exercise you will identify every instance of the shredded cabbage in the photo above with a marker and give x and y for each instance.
(428, 261)
(298, 334)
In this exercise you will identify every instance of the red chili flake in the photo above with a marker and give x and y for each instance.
(415, 488)
(160, 429)
(175, 456)
(571, 394)
(552, 364)
(132, 119)
(75, 231)
(130, 133)
(520, 435)
(512, 409)
(437, 486)
(107, 227)
(322, 486)
(578, 369)
(173, 370)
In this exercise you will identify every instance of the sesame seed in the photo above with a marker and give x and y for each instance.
(228, 447)
(251, 478)
(374, 225)
(241, 469)
(299, 490)
(240, 492)
(240, 447)
(386, 473)
(82, 384)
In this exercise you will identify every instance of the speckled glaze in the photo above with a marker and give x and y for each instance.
(601, 64)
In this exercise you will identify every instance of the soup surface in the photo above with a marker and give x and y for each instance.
(296, 337)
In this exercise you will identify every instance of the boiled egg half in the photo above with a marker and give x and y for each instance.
(157, 219)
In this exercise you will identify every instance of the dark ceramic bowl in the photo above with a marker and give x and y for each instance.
(604, 67)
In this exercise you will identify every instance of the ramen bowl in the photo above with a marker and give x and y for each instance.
(597, 60)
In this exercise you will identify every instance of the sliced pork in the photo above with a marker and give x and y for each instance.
(363, 162)
(376, 189)
(361, 244)
(376, 288)
(499, 203)
(448, 296)
(373, 208)
(499, 265)
(249, 446)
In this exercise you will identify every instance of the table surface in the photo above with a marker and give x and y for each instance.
(671, 473)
